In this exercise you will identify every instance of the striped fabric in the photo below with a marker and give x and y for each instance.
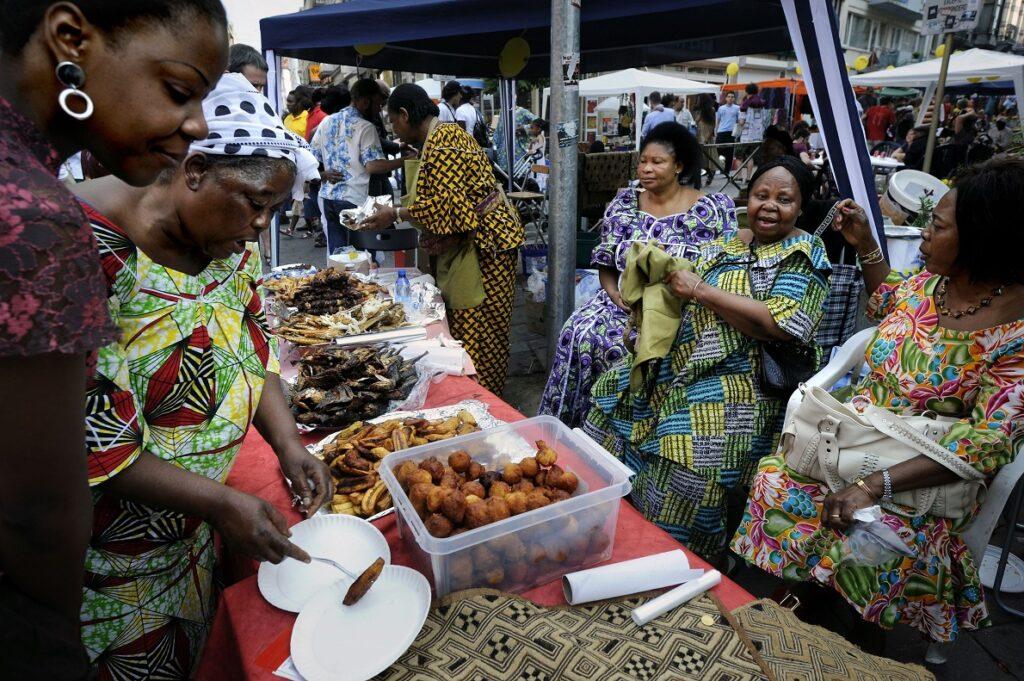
(815, 33)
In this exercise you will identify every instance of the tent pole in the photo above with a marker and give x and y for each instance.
(940, 90)
(562, 219)
(274, 95)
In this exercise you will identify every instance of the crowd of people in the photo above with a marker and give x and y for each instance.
(132, 327)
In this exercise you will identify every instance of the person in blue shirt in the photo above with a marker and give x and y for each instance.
(658, 114)
(725, 122)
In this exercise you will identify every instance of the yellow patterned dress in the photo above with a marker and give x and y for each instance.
(455, 178)
(182, 382)
(696, 432)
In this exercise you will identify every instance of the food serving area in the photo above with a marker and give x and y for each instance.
(251, 638)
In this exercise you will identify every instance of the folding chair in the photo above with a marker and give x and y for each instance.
(530, 204)
(1006, 484)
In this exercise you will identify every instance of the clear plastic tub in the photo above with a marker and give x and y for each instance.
(526, 550)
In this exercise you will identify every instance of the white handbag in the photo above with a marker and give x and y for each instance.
(839, 444)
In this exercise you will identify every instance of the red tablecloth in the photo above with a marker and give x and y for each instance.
(249, 635)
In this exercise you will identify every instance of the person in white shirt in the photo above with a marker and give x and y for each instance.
(451, 99)
(347, 145)
(467, 113)
(683, 115)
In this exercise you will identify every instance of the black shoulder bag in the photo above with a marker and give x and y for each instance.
(784, 365)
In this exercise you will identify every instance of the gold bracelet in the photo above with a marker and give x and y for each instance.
(860, 483)
(873, 258)
(693, 291)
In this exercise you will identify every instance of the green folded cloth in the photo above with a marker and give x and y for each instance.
(657, 312)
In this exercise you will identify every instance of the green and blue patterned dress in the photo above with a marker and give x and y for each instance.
(699, 427)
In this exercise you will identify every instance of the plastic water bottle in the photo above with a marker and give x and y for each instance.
(403, 293)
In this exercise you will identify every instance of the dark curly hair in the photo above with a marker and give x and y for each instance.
(20, 18)
(414, 100)
(987, 207)
(679, 141)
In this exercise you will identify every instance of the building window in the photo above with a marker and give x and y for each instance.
(858, 31)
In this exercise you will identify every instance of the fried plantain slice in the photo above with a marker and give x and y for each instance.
(364, 582)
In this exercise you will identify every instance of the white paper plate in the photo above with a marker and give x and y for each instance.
(351, 541)
(335, 642)
(1013, 576)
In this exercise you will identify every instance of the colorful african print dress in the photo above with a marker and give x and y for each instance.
(182, 382)
(456, 196)
(698, 429)
(591, 340)
(914, 366)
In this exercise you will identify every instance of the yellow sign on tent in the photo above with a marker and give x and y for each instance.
(513, 57)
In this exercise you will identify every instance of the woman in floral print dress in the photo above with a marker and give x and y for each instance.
(950, 340)
(661, 209)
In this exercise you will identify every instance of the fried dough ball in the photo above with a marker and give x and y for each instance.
(454, 506)
(579, 544)
(512, 547)
(436, 497)
(523, 486)
(477, 515)
(489, 478)
(474, 488)
(438, 525)
(418, 496)
(517, 572)
(498, 509)
(499, 489)
(484, 559)
(536, 500)
(599, 542)
(474, 471)
(472, 499)
(512, 473)
(555, 548)
(434, 467)
(568, 482)
(462, 570)
(529, 466)
(459, 461)
(557, 495)
(540, 479)
(545, 455)
(554, 476)
(403, 472)
(450, 480)
(536, 554)
(495, 576)
(516, 502)
(418, 476)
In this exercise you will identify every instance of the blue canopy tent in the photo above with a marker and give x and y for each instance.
(466, 36)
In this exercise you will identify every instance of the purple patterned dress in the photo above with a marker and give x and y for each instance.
(591, 339)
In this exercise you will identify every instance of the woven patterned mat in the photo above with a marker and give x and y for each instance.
(795, 650)
(485, 635)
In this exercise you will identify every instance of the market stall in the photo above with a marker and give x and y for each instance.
(638, 84)
(250, 638)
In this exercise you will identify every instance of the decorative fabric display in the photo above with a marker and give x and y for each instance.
(243, 123)
(486, 634)
(792, 649)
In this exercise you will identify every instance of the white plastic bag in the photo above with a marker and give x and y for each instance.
(869, 541)
(587, 286)
(536, 285)
(426, 374)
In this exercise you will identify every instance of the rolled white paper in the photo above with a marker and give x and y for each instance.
(628, 577)
(676, 597)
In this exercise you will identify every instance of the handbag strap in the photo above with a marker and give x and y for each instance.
(893, 426)
(828, 219)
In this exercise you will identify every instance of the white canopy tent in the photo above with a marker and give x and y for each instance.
(433, 87)
(639, 83)
(971, 66)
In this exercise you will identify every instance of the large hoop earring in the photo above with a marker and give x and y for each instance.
(72, 77)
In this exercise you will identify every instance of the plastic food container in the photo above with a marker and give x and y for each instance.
(529, 549)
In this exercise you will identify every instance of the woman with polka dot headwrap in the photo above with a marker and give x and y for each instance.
(194, 366)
